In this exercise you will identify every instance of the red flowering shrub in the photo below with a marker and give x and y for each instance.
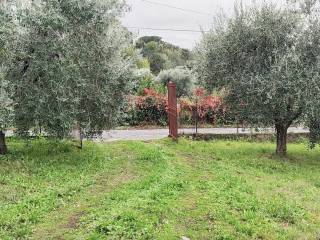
(205, 106)
(151, 108)
(151, 98)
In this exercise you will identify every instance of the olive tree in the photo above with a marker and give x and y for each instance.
(181, 76)
(266, 58)
(7, 29)
(310, 8)
(70, 67)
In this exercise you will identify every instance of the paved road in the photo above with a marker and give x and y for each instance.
(154, 134)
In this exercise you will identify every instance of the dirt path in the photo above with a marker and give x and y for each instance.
(60, 223)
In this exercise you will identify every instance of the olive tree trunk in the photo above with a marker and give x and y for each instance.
(3, 146)
(282, 131)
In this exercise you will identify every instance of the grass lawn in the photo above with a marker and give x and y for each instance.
(159, 190)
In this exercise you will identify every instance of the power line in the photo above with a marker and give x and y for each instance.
(169, 29)
(178, 8)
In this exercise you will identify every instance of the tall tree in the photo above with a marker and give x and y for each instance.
(7, 29)
(262, 57)
(71, 66)
(310, 9)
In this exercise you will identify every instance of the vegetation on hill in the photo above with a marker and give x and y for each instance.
(162, 55)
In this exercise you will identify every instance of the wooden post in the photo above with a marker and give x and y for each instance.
(196, 116)
(172, 110)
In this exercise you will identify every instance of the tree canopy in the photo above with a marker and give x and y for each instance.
(267, 59)
(7, 30)
(70, 66)
(181, 76)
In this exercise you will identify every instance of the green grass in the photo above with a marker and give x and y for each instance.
(159, 190)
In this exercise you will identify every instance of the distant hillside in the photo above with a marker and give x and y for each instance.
(162, 55)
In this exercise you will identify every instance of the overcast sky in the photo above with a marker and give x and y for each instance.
(144, 14)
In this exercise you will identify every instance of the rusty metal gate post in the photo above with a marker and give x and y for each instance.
(172, 110)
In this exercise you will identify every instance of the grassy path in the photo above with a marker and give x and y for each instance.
(159, 190)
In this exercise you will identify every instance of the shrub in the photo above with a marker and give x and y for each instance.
(206, 107)
(151, 108)
(146, 80)
(181, 76)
